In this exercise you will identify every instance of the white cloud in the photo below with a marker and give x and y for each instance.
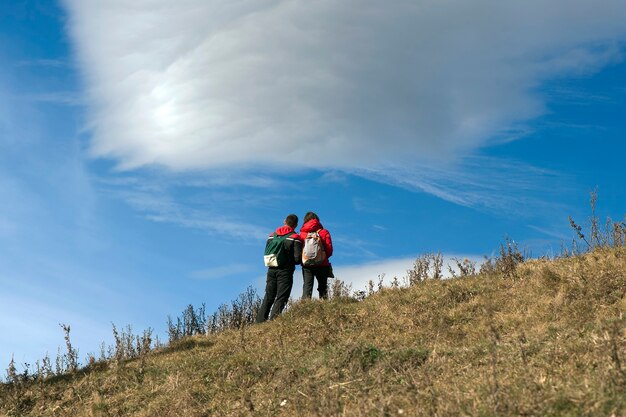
(350, 84)
(358, 276)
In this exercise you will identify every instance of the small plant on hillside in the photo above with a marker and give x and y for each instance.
(119, 345)
(465, 268)
(395, 282)
(144, 343)
(46, 368)
(613, 235)
(71, 356)
(251, 303)
(194, 321)
(339, 289)
(359, 295)
(174, 331)
(367, 356)
(419, 272)
(437, 265)
(12, 376)
(241, 311)
(510, 257)
(14, 381)
(59, 363)
(506, 262)
(426, 266)
(130, 346)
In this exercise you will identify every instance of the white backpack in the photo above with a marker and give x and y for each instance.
(313, 250)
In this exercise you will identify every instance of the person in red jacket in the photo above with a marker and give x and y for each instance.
(279, 280)
(323, 271)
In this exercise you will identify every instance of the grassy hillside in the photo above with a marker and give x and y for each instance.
(547, 340)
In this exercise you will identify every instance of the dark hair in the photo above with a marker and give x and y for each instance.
(309, 216)
(292, 220)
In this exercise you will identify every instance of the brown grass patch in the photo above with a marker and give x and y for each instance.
(549, 340)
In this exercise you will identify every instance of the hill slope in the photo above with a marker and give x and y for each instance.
(549, 341)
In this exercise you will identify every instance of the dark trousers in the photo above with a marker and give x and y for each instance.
(321, 273)
(277, 292)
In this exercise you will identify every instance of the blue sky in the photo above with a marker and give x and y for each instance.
(146, 151)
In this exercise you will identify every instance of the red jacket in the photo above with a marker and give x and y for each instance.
(314, 225)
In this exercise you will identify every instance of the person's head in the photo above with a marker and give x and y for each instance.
(310, 216)
(291, 221)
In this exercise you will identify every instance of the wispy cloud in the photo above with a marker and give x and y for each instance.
(373, 84)
(154, 200)
(578, 97)
(372, 204)
(216, 180)
(66, 98)
(161, 208)
(334, 177)
(554, 233)
(221, 271)
(46, 63)
(355, 246)
(479, 182)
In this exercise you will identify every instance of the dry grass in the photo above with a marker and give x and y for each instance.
(548, 341)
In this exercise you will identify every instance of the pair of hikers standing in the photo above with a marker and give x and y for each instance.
(283, 251)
